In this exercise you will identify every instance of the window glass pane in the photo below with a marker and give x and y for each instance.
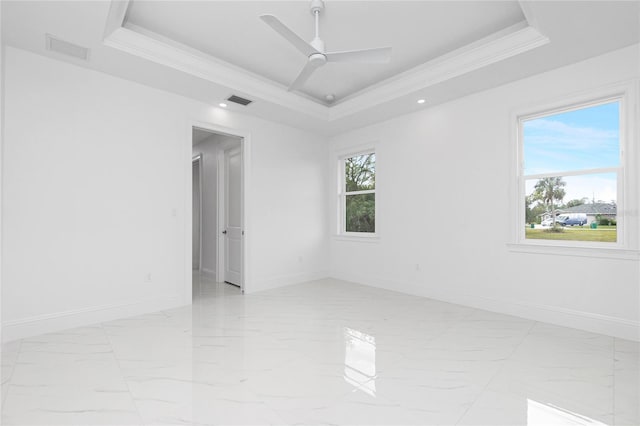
(586, 138)
(585, 208)
(360, 172)
(361, 212)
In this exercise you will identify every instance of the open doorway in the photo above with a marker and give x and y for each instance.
(217, 212)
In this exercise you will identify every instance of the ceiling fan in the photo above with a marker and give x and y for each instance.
(315, 51)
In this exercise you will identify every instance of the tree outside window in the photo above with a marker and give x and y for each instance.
(358, 193)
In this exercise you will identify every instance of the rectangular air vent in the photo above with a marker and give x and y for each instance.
(64, 47)
(239, 100)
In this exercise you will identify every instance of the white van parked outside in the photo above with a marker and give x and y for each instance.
(572, 219)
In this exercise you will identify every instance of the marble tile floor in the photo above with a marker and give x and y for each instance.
(324, 352)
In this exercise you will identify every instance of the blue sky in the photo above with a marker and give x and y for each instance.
(587, 138)
(583, 139)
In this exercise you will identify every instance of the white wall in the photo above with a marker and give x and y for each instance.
(96, 196)
(209, 152)
(1, 155)
(443, 177)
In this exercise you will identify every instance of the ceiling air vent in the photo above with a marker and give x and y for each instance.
(239, 100)
(66, 48)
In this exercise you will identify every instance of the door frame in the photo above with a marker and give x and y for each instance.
(245, 152)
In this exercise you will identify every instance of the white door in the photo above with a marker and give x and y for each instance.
(233, 216)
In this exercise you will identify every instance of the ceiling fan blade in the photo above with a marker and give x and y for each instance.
(304, 75)
(286, 32)
(379, 55)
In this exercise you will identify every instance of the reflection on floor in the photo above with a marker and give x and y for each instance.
(325, 352)
(205, 287)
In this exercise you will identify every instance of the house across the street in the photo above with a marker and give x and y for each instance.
(594, 211)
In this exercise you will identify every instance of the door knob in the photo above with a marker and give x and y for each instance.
(224, 232)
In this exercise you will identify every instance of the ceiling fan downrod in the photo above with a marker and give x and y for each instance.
(317, 6)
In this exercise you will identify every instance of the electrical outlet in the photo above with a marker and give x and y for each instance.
(300, 259)
(417, 266)
(147, 277)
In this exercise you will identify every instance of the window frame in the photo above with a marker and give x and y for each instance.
(627, 189)
(343, 193)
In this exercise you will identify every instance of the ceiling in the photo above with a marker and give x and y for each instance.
(199, 135)
(442, 50)
(417, 32)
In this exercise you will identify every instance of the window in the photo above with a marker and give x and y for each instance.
(571, 174)
(358, 194)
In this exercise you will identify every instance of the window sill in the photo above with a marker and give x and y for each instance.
(371, 238)
(558, 250)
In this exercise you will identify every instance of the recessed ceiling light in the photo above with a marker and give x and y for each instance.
(421, 101)
(222, 105)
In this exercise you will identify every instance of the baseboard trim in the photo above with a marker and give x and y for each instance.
(285, 280)
(587, 321)
(48, 323)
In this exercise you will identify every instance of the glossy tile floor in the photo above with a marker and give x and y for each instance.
(326, 352)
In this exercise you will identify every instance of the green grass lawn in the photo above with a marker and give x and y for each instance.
(602, 233)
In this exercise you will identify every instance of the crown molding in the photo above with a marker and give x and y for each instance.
(527, 10)
(116, 16)
(497, 47)
(142, 43)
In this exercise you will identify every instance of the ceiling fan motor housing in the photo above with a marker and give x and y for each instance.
(318, 59)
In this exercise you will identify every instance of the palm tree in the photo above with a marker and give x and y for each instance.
(549, 189)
